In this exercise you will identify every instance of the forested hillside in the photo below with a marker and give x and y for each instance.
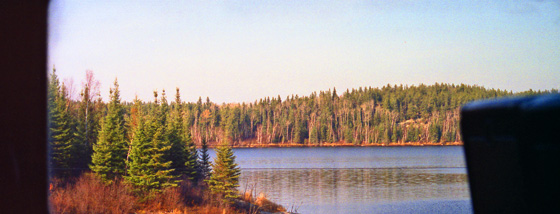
(359, 116)
(362, 116)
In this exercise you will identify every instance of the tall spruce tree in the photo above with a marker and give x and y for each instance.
(191, 162)
(180, 153)
(110, 151)
(177, 153)
(224, 178)
(132, 122)
(60, 137)
(148, 169)
(204, 162)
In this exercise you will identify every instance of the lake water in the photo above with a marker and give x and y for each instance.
(359, 179)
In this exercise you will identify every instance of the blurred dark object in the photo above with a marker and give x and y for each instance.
(512, 153)
(23, 48)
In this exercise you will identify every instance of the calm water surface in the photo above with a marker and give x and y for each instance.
(359, 179)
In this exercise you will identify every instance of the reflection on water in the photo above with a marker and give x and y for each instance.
(351, 157)
(359, 187)
(359, 179)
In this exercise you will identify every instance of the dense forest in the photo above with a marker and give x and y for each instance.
(362, 116)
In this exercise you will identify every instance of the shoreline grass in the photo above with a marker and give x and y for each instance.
(88, 194)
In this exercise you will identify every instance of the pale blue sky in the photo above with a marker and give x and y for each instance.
(241, 51)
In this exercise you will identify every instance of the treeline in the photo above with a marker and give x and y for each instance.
(391, 114)
(359, 116)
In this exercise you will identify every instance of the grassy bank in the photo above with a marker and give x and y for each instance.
(88, 194)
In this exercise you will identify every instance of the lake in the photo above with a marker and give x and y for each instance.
(359, 179)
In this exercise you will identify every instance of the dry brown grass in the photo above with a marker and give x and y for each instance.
(268, 205)
(248, 203)
(169, 200)
(88, 194)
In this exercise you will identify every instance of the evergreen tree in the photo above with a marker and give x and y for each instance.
(52, 93)
(191, 162)
(204, 163)
(110, 151)
(224, 178)
(177, 154)
(163, 109)
(132, 122)
(181, 153)
(60, 130)
(148, 169)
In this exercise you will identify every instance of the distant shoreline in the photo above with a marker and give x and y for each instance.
(341, 144)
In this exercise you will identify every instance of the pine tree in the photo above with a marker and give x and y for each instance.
(60, 138)
(191, 162)
(148, 169)
(224, 178)
(53, 89)
(204, 163)
(132, 122)
(163, 109)
(110, 151)
(181, 153)
(177, 153)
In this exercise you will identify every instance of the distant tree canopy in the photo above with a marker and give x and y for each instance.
(107, 136)
(359, 116)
